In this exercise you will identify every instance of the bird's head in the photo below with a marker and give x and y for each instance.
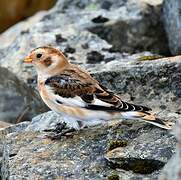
(46, 59)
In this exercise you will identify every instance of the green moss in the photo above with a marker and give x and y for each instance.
(141, 166)
(149, 58)
(92, 7)
(117, 143)
(113, 177)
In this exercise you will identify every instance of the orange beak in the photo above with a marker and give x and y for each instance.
(28, 59)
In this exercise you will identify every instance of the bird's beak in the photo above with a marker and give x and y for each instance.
(28, 59)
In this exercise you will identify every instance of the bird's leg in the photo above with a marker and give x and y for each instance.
(58, 128)
(61, 129)
(66, 132)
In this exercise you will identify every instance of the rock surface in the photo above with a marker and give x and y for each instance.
(172, 22)
(173, 169)
(130, 26)
(75, 37)
(76, 34)
(18, 101)
(88, 154)
(6, 129)
(130, 150)
(156, 83)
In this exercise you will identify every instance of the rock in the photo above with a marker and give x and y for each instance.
(5, 129)
(47, 32)
(103, 152)
(38, 123)
(18, 101)
(30, 154)
(80, 45)
(173, 169)
(172, 23)
(155, 83)
(94, 57)
(130, 26)
(20, 28)
(47, 29)
(136, 156)
(3, 125)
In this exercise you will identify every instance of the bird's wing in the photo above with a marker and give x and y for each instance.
(74, 87)
(77, 88)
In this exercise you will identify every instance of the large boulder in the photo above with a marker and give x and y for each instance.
(19, 102)
(131, 26)
(172, 23)
(173, 169)
(131, 149)
(126, 150)
(70, 26)
(155, 83)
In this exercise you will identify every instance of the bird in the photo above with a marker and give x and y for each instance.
(73, 93)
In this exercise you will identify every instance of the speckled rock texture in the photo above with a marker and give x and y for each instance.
(18, 101)
(173, 169)
(130, 26)
(131, 149)
(156, 83)
(84, 31)
(172, 23)
(72, 27)
(6, 129)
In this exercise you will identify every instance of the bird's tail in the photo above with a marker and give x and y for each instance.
(147, 117)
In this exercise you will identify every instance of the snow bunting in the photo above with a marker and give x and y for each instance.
(78, 97)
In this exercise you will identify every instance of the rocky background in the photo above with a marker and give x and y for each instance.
(129, 46)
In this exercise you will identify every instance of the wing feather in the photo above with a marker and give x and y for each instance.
(75, 83)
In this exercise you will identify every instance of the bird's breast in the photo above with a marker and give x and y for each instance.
(40, 86)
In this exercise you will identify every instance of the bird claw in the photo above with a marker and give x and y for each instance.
(60, 127)
(59, 135)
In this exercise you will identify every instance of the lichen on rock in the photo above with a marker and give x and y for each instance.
(92, 34)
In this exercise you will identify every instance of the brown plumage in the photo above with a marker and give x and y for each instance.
(68, 89)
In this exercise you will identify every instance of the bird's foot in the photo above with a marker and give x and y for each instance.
(58, 128)
(59, 131)
(65, 133)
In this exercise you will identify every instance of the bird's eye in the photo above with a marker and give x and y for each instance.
(39, 55)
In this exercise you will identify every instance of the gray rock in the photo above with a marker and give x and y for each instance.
(17, 99)
(45, 121)
(173, 169)
(130, 26)
(47, 29)
(86, 155)
(47, 32)
(7, 129)
(22, 27)
(172, 23)
(100, 152)
(75, 37)
(154, 83)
